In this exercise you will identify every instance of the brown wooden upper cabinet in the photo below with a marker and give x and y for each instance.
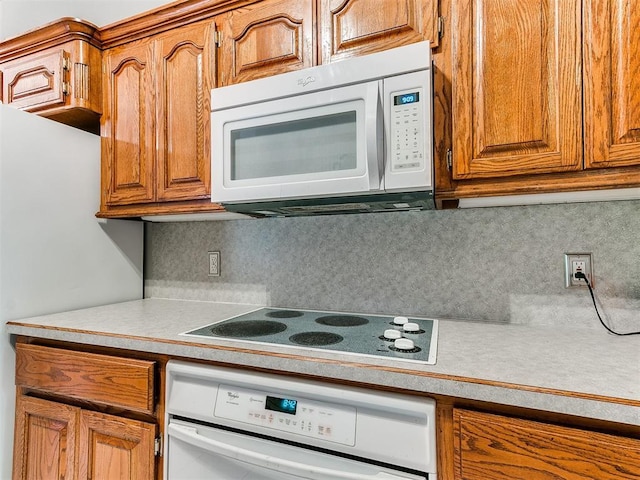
(519, 104)
(271, 37)
(54, 71)
(516, 87)
(358, 27)
(611, 83)
(156, 119)
(155, 126)
(264, 39)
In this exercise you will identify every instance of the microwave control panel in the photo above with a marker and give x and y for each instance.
(407, 130)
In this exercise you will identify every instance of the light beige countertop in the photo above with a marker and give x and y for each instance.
(582, 372)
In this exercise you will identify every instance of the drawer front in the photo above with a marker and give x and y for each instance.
(109, 380)
(36, 82)
(493, 447)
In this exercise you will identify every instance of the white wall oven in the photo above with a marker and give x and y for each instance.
(228, 424)
(354, 135)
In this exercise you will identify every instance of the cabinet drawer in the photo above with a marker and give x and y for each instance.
(115, 381)
(36, 82)
(492, 447)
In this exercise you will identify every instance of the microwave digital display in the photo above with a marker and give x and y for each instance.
(406, 98)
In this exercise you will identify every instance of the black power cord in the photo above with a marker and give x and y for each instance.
(582, 276)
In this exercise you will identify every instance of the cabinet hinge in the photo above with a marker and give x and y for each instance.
(440, 27)
(157, 446)
(217, 38)
(66, 88)
(449, 159)
(66, 62)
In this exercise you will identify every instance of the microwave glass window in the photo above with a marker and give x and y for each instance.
(325, 143)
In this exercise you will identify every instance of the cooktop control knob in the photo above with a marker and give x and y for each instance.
(411, 327)
(392, 334)
(404, 344)
(400, 321)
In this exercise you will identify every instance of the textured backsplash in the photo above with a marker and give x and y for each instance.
(492, 264)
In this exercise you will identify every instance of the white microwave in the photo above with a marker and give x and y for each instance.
(352, 136)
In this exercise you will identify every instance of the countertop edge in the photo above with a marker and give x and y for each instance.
(562, 402)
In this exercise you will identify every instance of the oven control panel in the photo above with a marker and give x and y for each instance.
(298, 416)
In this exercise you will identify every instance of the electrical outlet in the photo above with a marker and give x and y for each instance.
(574, 263)
(214, 264)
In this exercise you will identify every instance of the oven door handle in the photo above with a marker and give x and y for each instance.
(191, 436)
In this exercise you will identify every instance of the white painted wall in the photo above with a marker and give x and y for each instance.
(55, 255)
(16, 17)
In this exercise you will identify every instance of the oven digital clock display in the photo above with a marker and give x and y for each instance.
(283, 405)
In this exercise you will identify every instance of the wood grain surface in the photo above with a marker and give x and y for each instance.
(493, 447)
(98, 378)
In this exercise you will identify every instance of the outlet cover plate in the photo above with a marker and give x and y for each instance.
(569, 279)
(214, 264)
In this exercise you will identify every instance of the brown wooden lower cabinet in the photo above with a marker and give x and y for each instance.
(494, 447)
(45, 439)
(58, 441)
(74, 421)
(85, 415)
(112, 447)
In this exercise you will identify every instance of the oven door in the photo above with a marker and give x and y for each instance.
(327, 143)
(196, 451)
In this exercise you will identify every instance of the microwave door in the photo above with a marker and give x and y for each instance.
(320, 144)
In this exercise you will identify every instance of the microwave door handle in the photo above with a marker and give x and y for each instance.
(374, 133)
(191, 436)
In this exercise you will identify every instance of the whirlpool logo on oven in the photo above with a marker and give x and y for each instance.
(304, 81)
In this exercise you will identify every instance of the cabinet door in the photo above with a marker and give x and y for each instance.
(611, 83)
(184, 71)
(516, 87)
(45, 440)
(114, 448)
(128, 125)
(357, 27)
(265, 39)
(37, 81)
(492, 447)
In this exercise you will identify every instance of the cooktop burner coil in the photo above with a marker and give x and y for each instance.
(248, 328)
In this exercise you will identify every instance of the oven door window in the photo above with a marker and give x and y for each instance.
(197, 451)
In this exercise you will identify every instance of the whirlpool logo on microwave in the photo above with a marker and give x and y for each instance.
(304, 81)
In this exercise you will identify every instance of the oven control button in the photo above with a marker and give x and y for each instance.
(400, 320)
(404, 344)
(391, 334)
(411, 327)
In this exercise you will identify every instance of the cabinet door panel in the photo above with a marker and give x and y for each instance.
(36, 82)
(516, 87)
(45, 440)
(128, 125)
(183, 108)
(274, 37)
(612, 83)
(353, 27)
(492, 447)
(115, 448)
